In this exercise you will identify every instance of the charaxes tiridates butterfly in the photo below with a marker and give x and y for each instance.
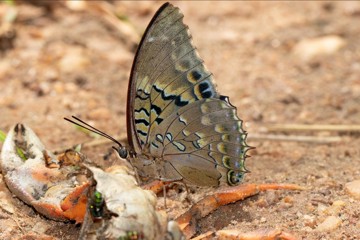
(179, 127)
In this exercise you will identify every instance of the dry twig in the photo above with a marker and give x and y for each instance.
(313, 127)
(294, 138)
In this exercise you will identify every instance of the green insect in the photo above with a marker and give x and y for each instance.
(132, 235)
(96, 206)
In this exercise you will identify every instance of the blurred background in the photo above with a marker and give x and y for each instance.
(279, 62)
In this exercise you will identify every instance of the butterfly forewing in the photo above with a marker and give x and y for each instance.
(176, 117)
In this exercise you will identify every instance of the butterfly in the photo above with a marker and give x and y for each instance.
(179, 127)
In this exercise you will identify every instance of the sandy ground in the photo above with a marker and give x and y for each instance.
(264, 56)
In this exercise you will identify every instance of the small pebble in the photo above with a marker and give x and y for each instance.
(307, 229)
(234, 222)
(79, 5)
(308, 217)
(229, 36)
(59, 87)
(71, 87)
(308, 49)
(261, 203)
(288, 199)
(335, 208)
(5, 203)
(310, 207)
(321, 208)
(44, 88)
(50, 74)
(309, 221)
(7, 207)
(75, 59)
(329, 224)
(40, 228)
(353, 189)
(4, 68)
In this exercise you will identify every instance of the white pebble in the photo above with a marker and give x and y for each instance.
(308, 49)
(330, 223)
(6, 204)
(40, 228)
(353, 189)
(78, 5)
(75, 59)
(335, 208)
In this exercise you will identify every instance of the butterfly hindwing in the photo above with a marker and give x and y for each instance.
(208, 132)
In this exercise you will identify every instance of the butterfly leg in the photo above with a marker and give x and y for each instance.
(155, 186)
(188, 220)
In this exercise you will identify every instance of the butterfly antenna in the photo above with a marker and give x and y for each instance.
(121, 150)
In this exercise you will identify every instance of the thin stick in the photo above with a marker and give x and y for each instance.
(19, 226)
(105, 10)
(293, 138)
(313, 127)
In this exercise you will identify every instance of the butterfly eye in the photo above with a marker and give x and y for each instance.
(235, 178)
(96, 206)
(122, 151)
